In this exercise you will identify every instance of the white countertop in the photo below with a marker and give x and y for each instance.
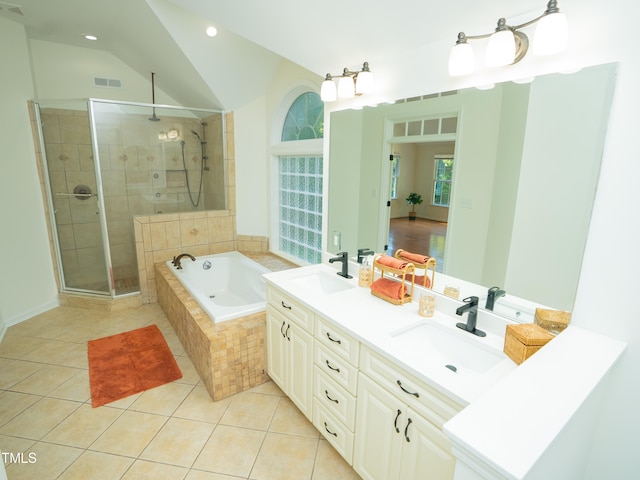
(373, 321)
(513, 413)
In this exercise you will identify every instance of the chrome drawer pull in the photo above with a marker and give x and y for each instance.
(332, 339)
(327, 429)
(332, 399)
(332, 368)
(284, 305)
(415, 394)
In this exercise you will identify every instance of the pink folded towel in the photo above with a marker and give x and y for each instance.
(412, 257)
(388, 261)
(388, 288)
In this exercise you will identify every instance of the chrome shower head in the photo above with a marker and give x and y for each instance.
(196, 134)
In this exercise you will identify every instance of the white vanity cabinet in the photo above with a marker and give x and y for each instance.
(290, 348)
(399, 425)
(335, 385)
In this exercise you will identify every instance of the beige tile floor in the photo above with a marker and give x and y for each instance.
(170, 432)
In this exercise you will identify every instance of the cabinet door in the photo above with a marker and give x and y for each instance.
(300, 367)
(276, 353)
(378, 436)
(425, 450)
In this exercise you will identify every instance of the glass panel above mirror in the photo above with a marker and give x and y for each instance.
(526, 165)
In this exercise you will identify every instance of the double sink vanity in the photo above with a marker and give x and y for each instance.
(399, 395)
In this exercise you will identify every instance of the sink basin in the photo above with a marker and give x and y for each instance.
(322, 282)
(449, 348)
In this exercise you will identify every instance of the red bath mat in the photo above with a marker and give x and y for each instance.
(128, 363)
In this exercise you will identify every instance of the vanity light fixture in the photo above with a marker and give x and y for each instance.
(349, 84)
(508, 45)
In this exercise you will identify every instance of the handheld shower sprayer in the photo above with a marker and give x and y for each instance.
(196, 134)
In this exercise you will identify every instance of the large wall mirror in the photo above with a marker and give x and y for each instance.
(526, 165)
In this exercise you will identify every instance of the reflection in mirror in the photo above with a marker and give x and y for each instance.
(526, 165)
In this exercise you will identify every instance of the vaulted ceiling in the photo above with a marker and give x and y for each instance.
(255, 36)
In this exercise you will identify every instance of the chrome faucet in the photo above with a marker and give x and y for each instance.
(471, 306)
(342, 257)
(176, 260)
(492, 295)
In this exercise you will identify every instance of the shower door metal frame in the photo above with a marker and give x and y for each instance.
(52, 212)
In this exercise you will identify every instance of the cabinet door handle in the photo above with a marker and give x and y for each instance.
(415, 394)
(327, 429)
(333, 339)
(332, 399)
(406, 430)
(284, 305)
(395, 422)
(332, 367)
(287, 332)
(281, 332)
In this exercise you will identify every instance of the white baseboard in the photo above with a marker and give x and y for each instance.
(26, 315)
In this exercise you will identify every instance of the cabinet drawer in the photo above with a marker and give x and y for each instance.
(337, 341)
(336, 368)
(426, 400)
(334, 398)
(335, 432)
(293, 309)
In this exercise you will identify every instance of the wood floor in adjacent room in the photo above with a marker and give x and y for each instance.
(422, 236)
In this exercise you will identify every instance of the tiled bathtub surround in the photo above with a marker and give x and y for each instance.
(230, 357)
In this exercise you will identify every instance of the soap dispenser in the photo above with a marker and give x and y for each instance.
(365, 275)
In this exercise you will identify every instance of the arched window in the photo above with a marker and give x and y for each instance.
(298, 233)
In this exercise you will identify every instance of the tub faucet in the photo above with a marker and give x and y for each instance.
(176, 260)
(471, 306)
(344, 258)
(364, 252)
(492, 295)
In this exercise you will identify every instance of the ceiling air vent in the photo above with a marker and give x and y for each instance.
(11, 7)
(107, 82)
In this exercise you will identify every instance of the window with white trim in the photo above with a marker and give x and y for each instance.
(442, 177)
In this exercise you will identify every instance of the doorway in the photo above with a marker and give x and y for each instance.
(424, 168)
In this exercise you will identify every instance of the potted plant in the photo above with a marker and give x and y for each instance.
(413, 199)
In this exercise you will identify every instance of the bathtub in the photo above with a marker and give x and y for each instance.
(225, 285)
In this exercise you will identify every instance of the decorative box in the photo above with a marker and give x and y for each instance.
(523, 340)
(553, 321)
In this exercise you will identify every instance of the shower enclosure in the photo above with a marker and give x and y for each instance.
(106, 162)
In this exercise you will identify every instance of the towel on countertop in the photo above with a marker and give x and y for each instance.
(412, 257)
(421, 280)
(388, 288)
(388, 261)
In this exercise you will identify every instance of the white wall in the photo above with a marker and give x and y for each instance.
(27, 284)
(67, 72)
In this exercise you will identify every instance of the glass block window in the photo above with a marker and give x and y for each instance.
(300, 196)
(305, 119)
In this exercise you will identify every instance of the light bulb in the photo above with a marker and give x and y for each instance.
(212, 31)
(364, 82)
(346, 87)
(328, 92)
(551, 35)
(501, 49)
(461, 60)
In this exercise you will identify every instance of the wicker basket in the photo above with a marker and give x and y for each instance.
(554, 321)
(523, 340)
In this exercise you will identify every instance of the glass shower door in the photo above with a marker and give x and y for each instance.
(76, 215)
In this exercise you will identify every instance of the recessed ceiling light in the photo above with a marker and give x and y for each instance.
(90, 37)
(212, 31)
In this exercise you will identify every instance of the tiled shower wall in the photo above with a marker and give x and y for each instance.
(134, 183)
